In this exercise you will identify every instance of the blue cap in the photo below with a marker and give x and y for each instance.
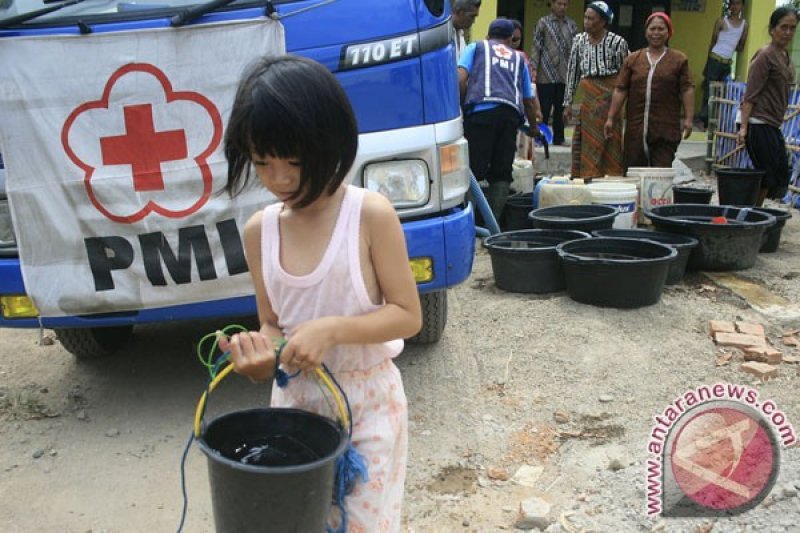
(501, 29)
(603, 10)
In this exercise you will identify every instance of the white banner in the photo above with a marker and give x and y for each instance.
(113, 150)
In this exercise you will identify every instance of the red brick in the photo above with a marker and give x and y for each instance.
(763, 354)
(750, 328)
(790, 341)
(761, 370)
(715, 326)
(739, 340)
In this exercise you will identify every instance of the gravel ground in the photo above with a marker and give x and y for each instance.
(564, 391)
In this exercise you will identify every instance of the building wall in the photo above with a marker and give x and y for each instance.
(692, 30)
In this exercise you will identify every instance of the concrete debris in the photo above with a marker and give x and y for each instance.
(527, 475)
(532, 514)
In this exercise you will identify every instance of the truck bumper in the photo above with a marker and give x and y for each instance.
(448, 241)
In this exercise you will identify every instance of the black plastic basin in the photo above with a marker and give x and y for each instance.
(682, 243)
(738, 186)
(526, 261)
(581, 217)
(732, 245)
(515, 214)
(772, 237)
(692, 195)
(616, 272)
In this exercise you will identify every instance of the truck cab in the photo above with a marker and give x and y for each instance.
(83, 258)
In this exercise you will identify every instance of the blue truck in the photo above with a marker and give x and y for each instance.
(396, 61)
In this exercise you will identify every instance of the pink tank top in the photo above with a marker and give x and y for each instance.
(335, 287)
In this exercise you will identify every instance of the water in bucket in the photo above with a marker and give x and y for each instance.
(272, 450)
(287, 486)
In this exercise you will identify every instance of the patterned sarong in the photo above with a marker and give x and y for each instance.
(592, 154)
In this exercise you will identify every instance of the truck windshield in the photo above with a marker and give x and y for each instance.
(107, 10)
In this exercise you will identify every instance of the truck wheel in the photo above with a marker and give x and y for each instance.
(93, 343)
(434, 317)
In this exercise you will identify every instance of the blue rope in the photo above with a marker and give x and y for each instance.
(350, 466)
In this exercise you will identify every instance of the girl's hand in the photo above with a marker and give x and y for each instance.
(252, 354)
(687, 128)
(309, 343)
(567, 115)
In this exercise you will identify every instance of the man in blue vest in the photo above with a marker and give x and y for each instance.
(496, 94)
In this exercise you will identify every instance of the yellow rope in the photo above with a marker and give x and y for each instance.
(198, 414)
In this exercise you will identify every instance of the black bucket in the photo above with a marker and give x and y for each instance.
(582, 217)
(682, 243)
(738, 186)
(526, 261)
(286, 491)
(614, 272)
(733, 245)
(515, 214)
(692, 195)
(772, 237)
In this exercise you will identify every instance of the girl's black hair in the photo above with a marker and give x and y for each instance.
(291, 107)
(779, 13)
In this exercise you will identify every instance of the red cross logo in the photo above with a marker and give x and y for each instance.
(502, 51)
(91, 139)
(143, 148)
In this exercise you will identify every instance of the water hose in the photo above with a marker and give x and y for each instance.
(483, 207)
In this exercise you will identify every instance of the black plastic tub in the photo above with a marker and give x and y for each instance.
(581, 217)
(290, 484)
(616, 272)
(515, 214)
(732, 245)
(526, 261)
(682, 243)
(772, 237)
(738, 186)
(692, 195)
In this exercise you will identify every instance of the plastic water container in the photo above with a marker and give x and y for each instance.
(623, 196)
(561, 191)
(656, 189)
(522, 173)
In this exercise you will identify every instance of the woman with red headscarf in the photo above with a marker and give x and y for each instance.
(655, 81)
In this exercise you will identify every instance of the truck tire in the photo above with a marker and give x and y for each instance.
(434, 317)
(93, 343)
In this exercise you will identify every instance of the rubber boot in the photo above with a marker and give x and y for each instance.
(496, 196)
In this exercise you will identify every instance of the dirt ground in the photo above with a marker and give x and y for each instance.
(565, 389)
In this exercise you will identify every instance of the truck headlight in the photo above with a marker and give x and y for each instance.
(454, 166)
(405, 183)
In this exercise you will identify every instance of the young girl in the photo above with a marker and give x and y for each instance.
(330, 270)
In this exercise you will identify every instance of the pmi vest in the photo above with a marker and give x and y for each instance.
(496, 76)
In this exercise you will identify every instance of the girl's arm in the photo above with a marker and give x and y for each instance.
(253, 353)
(400, 317)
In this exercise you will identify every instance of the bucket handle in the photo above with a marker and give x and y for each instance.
(322, 374)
